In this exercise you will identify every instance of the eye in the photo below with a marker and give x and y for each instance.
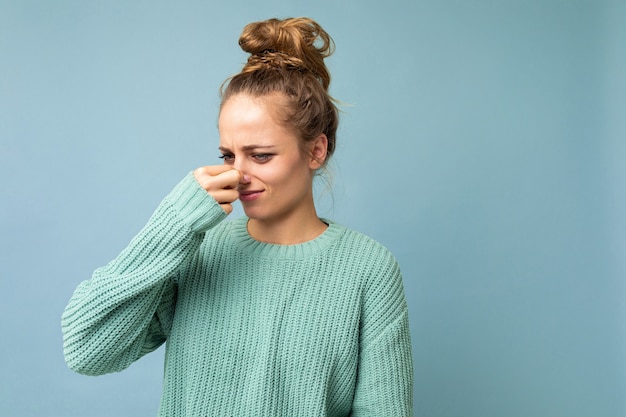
(228, 158)
(262, 157)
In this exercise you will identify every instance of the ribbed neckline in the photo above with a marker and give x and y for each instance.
(253, 247)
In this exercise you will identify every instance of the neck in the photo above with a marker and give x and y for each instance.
(289, 231)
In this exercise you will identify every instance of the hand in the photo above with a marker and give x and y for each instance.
(221, 182)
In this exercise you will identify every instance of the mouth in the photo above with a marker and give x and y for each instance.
(249, 195)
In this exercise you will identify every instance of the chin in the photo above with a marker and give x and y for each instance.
(252, 213)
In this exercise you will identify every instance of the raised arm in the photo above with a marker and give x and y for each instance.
(125, 310)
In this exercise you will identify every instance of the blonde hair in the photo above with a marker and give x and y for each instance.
(287, 57)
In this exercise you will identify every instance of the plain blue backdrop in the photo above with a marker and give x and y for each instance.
(483, 142)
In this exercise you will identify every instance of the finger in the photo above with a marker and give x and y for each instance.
(214, 169)
(225, 179)
(228, 208)
(225, 195)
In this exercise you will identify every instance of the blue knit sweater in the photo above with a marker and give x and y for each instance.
(252, 329)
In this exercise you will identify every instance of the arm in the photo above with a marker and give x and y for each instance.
(385, 373)
(125, 310)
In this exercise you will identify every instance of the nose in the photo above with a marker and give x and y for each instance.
(244, 178)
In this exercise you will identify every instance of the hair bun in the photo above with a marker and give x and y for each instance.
(293, 43)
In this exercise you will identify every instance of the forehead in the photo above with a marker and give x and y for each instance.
(246, 120)
(243, 109)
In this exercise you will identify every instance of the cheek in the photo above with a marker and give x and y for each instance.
(267, 173)
(281, 171)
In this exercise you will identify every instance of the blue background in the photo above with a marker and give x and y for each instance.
(483, 142)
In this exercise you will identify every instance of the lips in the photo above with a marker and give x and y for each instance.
(249, 195)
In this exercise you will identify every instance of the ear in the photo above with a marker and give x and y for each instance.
(317, 151)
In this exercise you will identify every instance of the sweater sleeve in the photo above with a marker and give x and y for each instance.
(385, 371)
(126, 309)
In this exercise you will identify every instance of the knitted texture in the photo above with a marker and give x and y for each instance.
(252, 329)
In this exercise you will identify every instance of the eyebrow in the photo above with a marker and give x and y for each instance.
(247, 148)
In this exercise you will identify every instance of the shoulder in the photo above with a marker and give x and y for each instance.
(372, 258)
(383, 301)
(363, 245)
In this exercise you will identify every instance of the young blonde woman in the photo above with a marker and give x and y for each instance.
(277, 313)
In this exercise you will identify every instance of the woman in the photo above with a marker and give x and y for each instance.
(277, 313)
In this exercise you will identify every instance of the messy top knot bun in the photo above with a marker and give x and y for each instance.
(287, 57)
(298, 43)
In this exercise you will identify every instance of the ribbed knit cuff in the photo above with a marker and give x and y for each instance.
(197, 207)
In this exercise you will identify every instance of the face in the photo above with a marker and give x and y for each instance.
(277, 175)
